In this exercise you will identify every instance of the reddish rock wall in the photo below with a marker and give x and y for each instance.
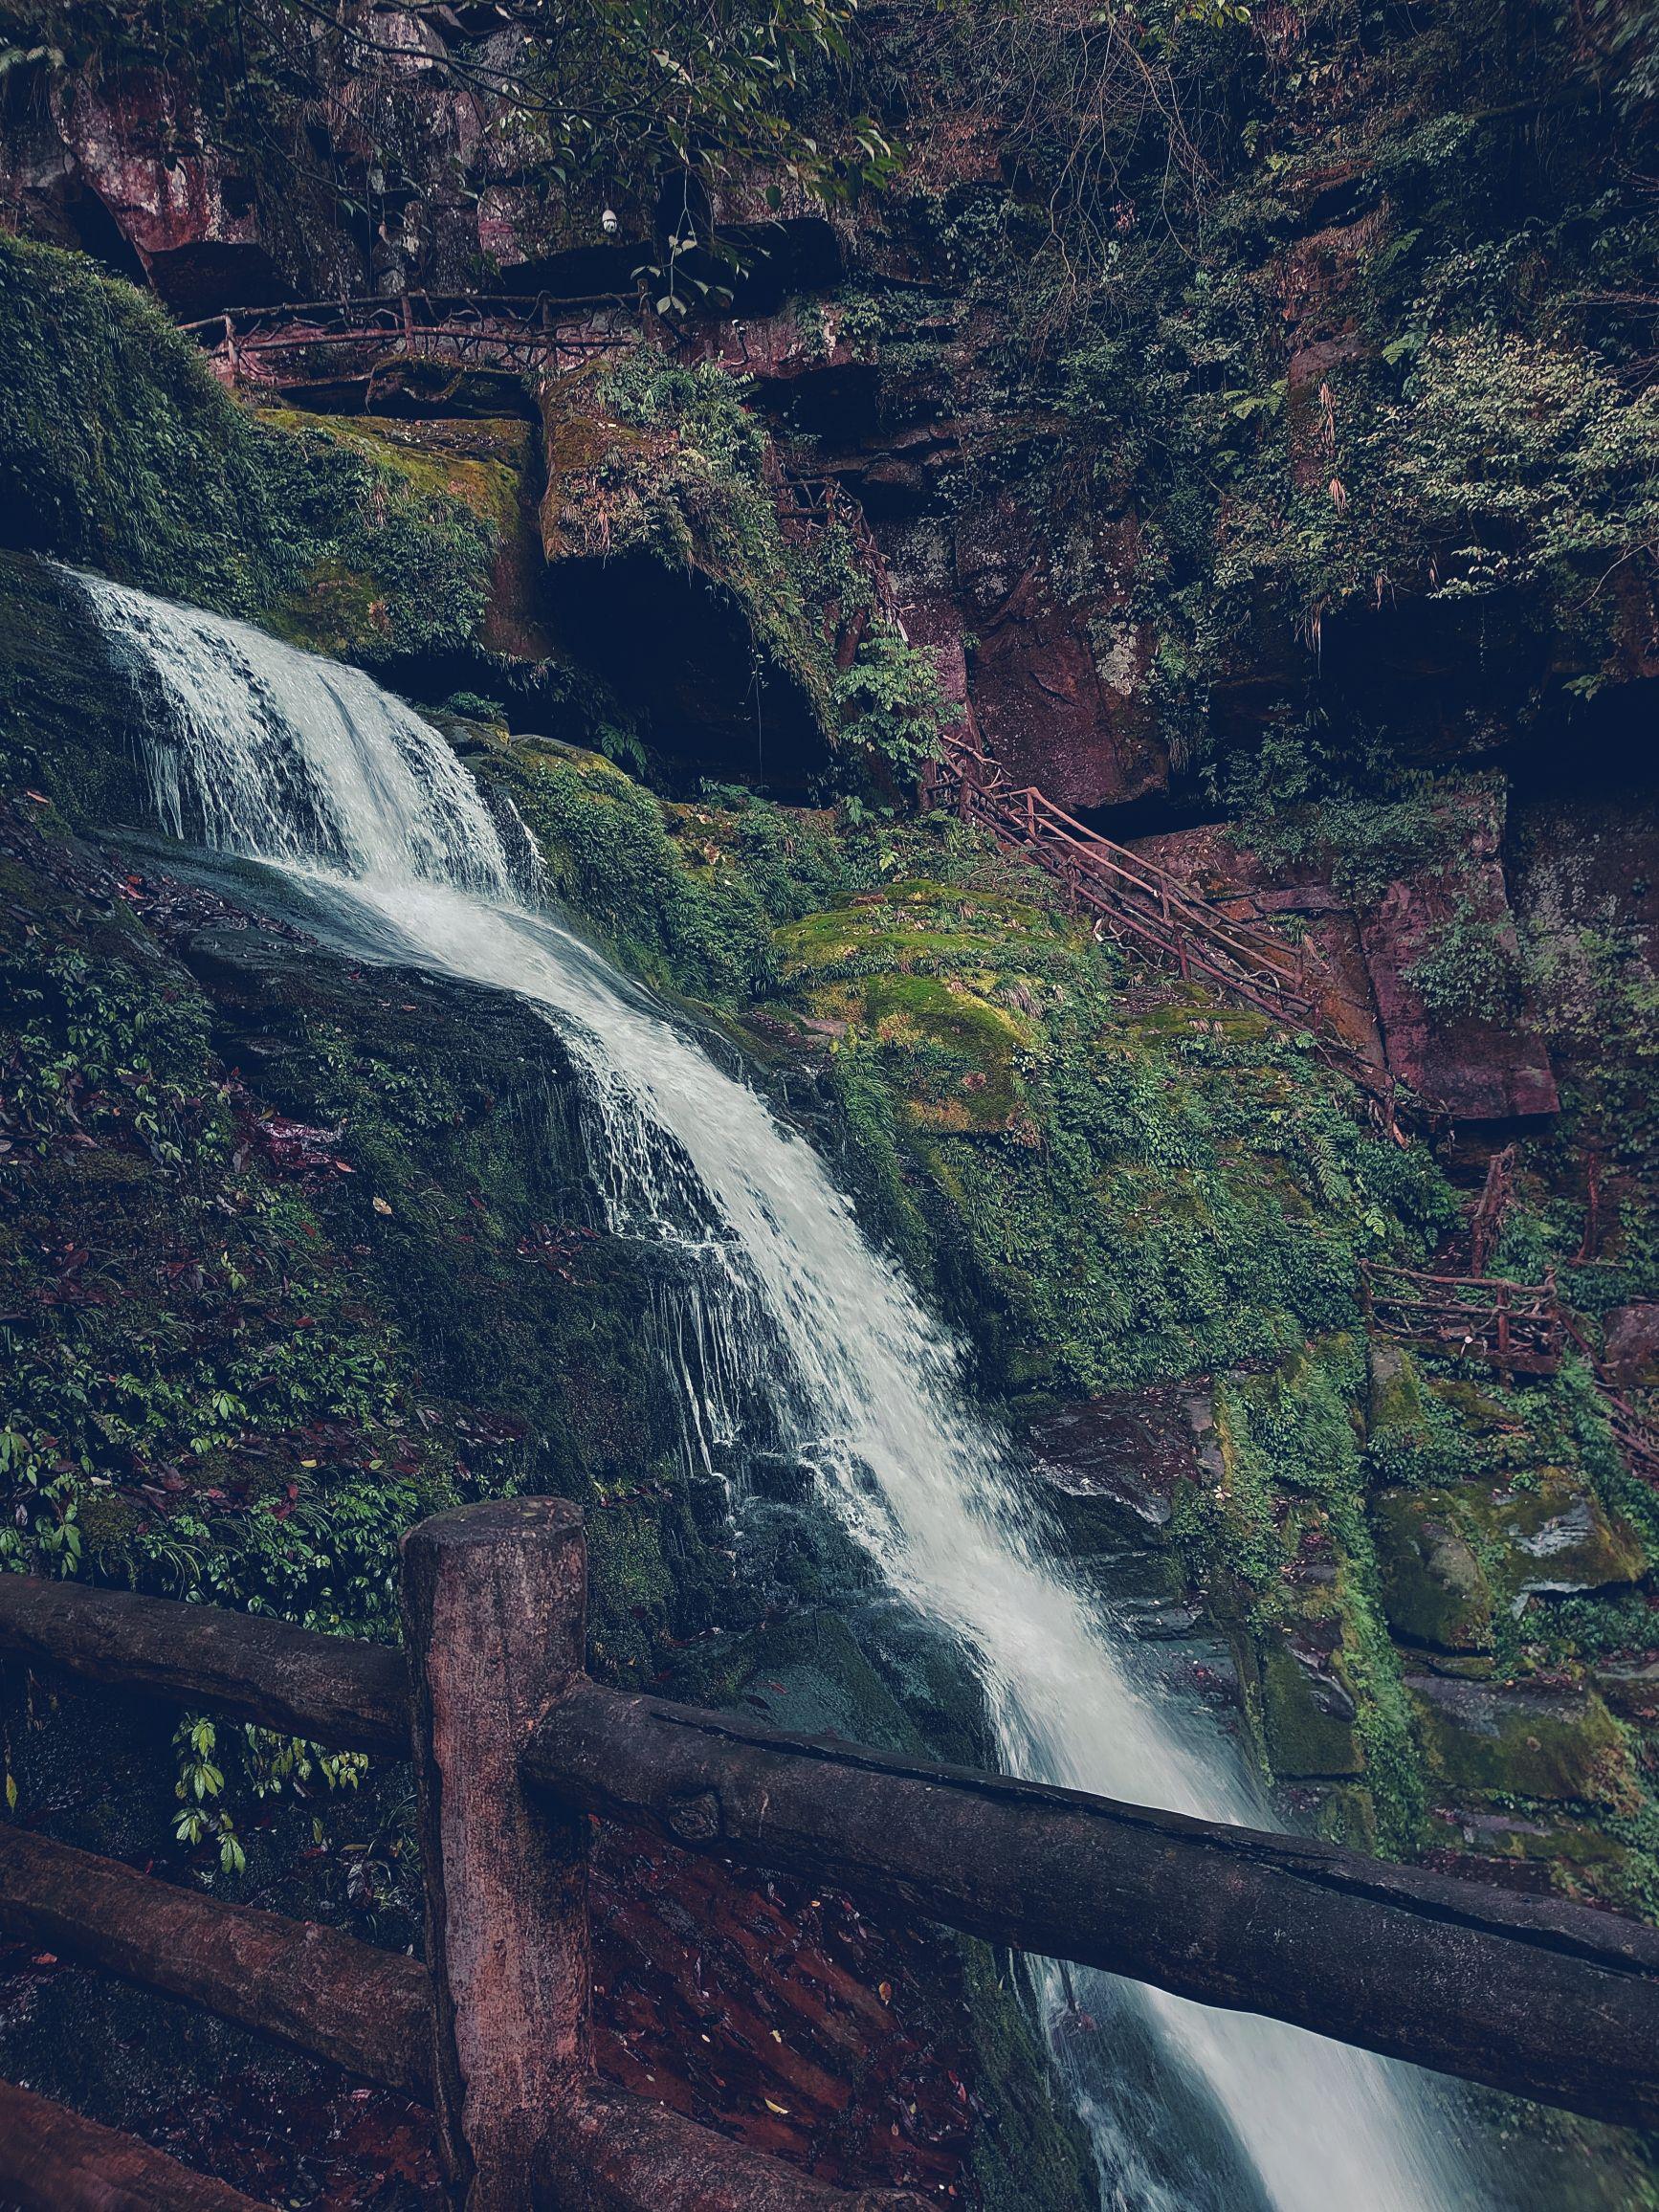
(1468, 1067)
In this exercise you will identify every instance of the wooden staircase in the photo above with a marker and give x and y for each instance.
(1150, 912)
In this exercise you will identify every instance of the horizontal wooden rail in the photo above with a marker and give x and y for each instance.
(324, 1688)
(519, 307)
(53, 2160)
(1548, 2000)
(364, 338)
(368, 2011)
(1515, 1326)
(312, 1988)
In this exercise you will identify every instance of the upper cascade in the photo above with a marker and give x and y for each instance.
(264, 750)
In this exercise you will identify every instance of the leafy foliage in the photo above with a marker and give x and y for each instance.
(891, 704)
(118, 448)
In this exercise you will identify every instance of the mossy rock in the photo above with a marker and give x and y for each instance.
(1453, 1557)
(1556, 1745)
(1557, 1538)
(70, 719)
(657, 470)
(952, 1052)
(1307, 1716)
(1396, 1409)
(1577, 1857)
(915, 925)
(1435, 1591)
(1476, 1409)
(482, 466)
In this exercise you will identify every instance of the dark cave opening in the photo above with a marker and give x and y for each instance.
(678, 653)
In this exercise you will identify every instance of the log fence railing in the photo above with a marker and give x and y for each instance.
(1520, 1328)
(1515, 1326)
(305, 344)
(514, 1747)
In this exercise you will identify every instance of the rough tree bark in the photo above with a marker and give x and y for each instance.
(494, 1601)
(310, 1987)
(53, 2160)
(321, 1686)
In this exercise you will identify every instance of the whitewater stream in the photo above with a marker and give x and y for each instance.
(271, 754)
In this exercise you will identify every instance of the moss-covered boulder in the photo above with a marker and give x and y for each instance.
(446, 520)
(896, 966)
(1452, 1559)
(1522, 1742)
(671, 570)
(1435, 1591)
(1308, 1717)
(1554, 1536)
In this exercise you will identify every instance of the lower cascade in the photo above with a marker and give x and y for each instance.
(269, 753)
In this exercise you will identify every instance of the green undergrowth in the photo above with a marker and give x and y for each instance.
(120, 450)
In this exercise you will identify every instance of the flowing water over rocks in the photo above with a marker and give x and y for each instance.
(264, 751)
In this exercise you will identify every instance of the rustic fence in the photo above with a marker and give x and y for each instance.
(514, 1747)
(306, 345)
(1519, 1328)
(1515, 1326)
(1151, 911)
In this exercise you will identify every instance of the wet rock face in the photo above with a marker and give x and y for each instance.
(1057, 687)
(127, 161)
(1109, 1466)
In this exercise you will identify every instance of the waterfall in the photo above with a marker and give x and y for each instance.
(269, 752)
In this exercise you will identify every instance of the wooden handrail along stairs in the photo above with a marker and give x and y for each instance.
(1150, 912)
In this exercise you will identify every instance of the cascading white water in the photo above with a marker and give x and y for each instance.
(280, 755)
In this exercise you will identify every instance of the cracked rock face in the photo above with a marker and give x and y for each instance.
(1630, 1349)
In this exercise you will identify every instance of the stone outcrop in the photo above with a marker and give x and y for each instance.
(1631, 1346)
(1469, 1065)
(126, 168)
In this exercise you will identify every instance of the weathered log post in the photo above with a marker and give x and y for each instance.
(494, 1599)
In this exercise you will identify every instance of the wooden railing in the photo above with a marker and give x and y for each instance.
(1521, 1328)
(1150, 911)
(329, 341)
(514, 1747)
(1515, 1326)
(808, 507)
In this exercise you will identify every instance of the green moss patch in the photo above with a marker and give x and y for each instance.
(119, 450)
